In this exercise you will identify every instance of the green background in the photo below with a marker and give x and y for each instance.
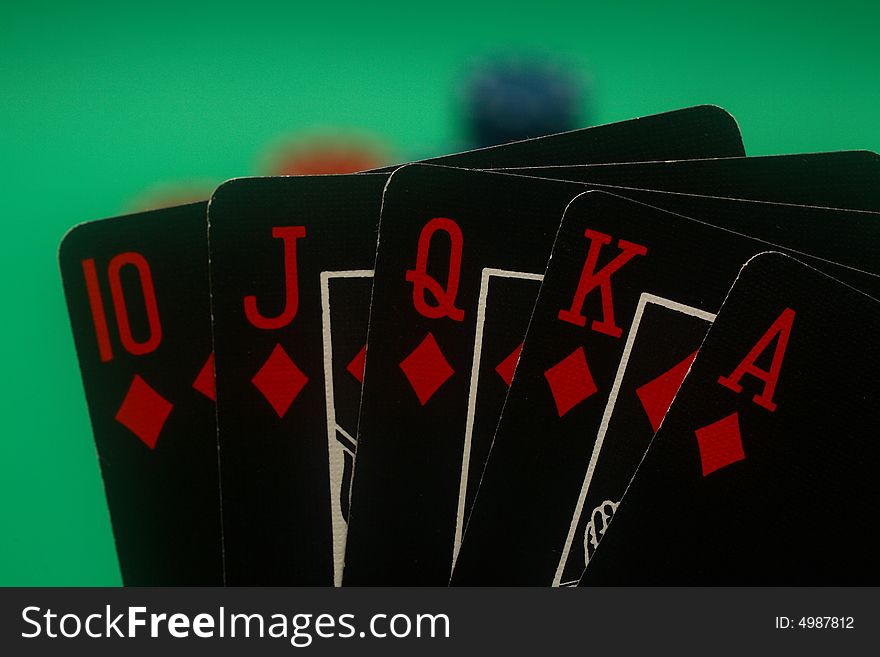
(100, 102)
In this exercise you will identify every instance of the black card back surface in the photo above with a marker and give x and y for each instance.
(693, 132)
(843, 179)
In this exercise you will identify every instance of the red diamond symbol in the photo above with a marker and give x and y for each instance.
(144, 411)
(426, 369)
(657, 395)
(570, 381)
(356, 366)
(204, 382)
(280, 380)
(720, 444)
(507, 367)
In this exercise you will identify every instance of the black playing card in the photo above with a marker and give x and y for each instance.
(763, 472)
(610, 255)
(408, 491)
(448, 245)
(845, 179)
(300, 249)
(694, 132)
(291, 261)
(136, 289)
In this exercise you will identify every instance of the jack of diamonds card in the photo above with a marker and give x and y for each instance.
(274, 306)
(135, 288)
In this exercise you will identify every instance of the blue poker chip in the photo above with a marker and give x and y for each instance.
(519, 98)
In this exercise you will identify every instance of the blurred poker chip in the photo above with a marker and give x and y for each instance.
(326, 152)
(515, 97)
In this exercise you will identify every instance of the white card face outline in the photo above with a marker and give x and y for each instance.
(644, 300)
(336, 450)
(485, 280)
